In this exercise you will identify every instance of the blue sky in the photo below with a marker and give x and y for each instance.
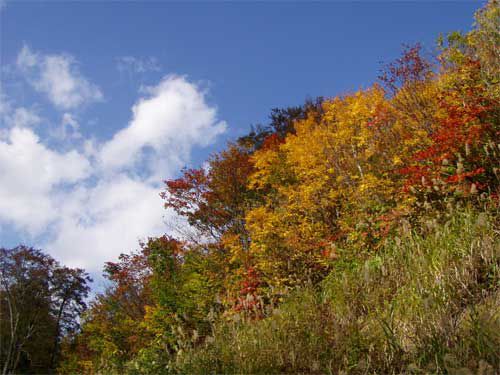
(100, 101)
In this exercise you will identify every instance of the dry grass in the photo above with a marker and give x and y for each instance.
(427, 302)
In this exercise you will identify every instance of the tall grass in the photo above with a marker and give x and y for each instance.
(427, 302)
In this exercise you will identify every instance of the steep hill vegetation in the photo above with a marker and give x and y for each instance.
(354, 234)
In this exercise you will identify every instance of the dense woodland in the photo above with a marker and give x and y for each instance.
(353, 234)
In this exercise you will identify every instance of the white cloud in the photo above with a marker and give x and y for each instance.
(91, 205)
(26, 58)
(11, 116)
(165, 125)
(106, 220)
(31, 174)
(130, 64)
(58, 77)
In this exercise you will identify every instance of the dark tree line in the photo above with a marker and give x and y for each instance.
(40, 303)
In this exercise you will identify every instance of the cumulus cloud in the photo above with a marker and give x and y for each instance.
(130, 64)
(101, 222)
(58, 77)
(31, 175)
(96, 201)
(165, 125)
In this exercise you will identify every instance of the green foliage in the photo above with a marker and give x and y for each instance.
(428, 302)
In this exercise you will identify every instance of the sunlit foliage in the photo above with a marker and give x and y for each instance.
(354, 203)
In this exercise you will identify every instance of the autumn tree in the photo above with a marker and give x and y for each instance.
(321, 189)
(112, 328)
(41, 302)
(461, 157)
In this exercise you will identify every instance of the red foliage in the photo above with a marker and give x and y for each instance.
(212, 200)
(131, 276)
(410, 67)
(381, 117)
(455, 157)
(248, 300)
(183, 193)
(272, 142)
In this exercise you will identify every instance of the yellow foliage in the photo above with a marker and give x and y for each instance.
(331, 170)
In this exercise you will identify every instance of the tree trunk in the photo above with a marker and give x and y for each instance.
(55, 351)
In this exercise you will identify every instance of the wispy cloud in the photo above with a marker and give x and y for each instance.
(21, 117)
(58, 77)
(130, 64)
(69, 128)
